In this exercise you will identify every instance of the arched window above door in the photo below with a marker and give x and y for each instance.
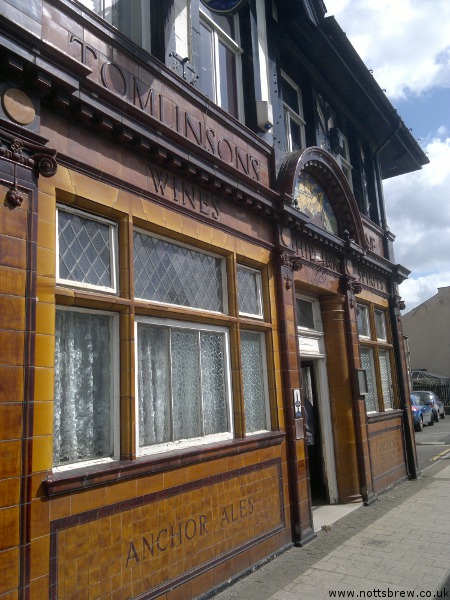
(311, 198)
(312, 182)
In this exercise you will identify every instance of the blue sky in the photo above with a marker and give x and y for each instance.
(407, 45)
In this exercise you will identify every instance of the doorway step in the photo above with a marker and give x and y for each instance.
(324, 515)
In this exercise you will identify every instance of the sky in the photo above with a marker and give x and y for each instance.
(407, 45)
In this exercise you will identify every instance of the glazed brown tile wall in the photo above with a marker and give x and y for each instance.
(387, 450)
(12, 291)
(177, 490)
(17, 309)
(149, 543)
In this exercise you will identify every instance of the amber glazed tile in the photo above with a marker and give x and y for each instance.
(10, 453)
(12, 348)
(44, 384)
(10, 420)
(9, 559)
(42, 453)
(9, 528)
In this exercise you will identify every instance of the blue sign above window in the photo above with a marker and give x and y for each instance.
(224, 7)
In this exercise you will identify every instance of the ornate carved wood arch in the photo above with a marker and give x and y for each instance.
(321, 165)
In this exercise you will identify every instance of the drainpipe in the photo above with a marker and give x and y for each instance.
(395, 305)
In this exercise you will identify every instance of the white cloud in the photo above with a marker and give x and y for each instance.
(405, 42)
(416, 291)
(418, 211)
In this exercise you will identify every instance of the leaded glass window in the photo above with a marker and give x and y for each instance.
(249, 291)
(174, 274)
(83, 409)
(86, 250)
(376, 354)
(253, 376)
(385, 373)
(367, 364)
(183, 389)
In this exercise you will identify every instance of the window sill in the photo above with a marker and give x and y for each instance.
(73, 480)
(390, 413)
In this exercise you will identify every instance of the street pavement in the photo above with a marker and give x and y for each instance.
(399, 547)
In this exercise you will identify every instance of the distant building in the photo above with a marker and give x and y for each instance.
(428, 329)
(200, 331)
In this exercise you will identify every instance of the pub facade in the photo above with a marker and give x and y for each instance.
(200, 327)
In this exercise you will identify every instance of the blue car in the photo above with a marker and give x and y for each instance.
(422, 412)
(437, 406)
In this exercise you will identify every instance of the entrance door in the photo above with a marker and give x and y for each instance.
(314, 434)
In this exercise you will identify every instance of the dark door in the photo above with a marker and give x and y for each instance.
(313, 434)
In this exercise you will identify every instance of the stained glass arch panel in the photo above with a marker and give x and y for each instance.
(311, 198)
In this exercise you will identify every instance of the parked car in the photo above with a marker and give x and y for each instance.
(436, 404)
(422, 412)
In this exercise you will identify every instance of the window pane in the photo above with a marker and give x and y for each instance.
(82, 412)
(182, 387)
(362, 317)
(165, 272)
(84, 250)
(186, 399)
(253, 381)
(296, 135)
(380, 324)
(305, 314)
(385, 373)
(154, 385)
(206, 79)
(227, 80)
(367, 364)
(290, 96)
(249, 291)
(132, 18)
(215, 408)
(225, 23)
(95, 5)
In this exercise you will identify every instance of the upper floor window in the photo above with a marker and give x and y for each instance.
(331, 138)
(324, 122)
(131, 17)
(220, 61)
(340, 148)
(293, 114)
